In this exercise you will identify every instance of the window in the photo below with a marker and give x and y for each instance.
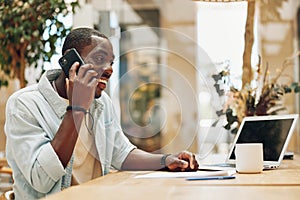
(220, 36)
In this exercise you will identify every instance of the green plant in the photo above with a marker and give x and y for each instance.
(26, 28)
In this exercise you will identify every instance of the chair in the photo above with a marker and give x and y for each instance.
(4, 170)
(8, 195)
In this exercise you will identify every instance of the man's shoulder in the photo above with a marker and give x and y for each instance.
(23, 93)
(25, 90)
(31, 91)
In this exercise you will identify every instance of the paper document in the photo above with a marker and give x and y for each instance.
(199, 173)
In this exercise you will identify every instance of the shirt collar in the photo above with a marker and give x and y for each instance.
(57, 103)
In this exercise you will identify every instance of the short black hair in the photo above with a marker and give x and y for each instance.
(79, 38)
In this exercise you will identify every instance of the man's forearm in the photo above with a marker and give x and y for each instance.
(141, 160)
(66, 136)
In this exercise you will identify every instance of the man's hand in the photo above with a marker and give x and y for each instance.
(81, 87)
(183, 161)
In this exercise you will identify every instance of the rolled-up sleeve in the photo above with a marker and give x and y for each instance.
(112, 144)
(122, 147)
(54, 169)
(29, 150)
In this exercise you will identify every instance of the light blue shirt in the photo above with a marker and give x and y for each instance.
(33, 116)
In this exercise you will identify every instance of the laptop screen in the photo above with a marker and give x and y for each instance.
(272, 133)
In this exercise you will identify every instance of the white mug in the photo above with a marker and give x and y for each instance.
(249, 157)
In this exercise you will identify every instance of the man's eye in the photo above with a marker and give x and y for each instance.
(99, 59)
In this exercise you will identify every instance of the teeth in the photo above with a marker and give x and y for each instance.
(102, 81)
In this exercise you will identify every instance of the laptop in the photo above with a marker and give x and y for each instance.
(273, 131)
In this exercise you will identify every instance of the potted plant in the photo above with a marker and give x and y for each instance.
(262, 98)
(23, 26)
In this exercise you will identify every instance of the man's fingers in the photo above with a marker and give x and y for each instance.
(192, 161)
(67, 84)
(182, 163)
(92, 75)
(73, 70)
(187, 156)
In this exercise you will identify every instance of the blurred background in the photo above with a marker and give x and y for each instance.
(167, 53)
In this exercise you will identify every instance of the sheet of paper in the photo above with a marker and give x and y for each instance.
(199, 173)
(216, 168)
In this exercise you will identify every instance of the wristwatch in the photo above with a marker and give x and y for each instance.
(163, 160)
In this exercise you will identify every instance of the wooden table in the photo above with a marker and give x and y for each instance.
(282, 183)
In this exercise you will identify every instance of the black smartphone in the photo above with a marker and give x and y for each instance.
(67, 60)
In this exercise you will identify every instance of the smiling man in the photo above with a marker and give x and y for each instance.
(64, 131)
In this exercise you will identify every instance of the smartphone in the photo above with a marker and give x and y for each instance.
(67, 60)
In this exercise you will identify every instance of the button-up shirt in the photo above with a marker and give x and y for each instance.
(33, 116)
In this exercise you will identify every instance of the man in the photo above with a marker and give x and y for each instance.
(63, 124)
